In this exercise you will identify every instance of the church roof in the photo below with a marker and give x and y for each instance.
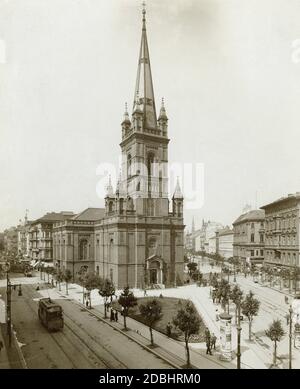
(90, 214)
(54, 217)
(144, 92)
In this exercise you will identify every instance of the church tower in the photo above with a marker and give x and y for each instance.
(140, 241)
(145, 143)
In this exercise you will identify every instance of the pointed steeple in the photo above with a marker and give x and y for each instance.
(144, 84)
(109, 188)
(163, 114)
(119, 188)
(126, 119)
(193, 225)
(178, 193)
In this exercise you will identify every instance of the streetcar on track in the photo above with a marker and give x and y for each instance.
(51, 314)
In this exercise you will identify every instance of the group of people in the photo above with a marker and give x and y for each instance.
(210, 340)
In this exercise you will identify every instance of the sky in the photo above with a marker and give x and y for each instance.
(229, 71)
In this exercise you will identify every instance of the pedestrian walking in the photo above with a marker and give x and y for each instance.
(1, 345)
(208, 341)
(213, 341)
(145, 293)
(217, 315)
(116, 317)
(38, 287)
(112, 315)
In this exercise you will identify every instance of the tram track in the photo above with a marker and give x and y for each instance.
(61, 337)
(31, 304)
(119, 365)
(82, 342)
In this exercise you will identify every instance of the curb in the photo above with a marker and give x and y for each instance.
(129, 336)
(18, 348)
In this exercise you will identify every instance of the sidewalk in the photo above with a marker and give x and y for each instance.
(166, 347)
(10, 357)
(254, 355)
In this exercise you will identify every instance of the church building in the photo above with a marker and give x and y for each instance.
(139, 240)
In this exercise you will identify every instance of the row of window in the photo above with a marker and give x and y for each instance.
(281, 240)
(257, 253)
(285, 258)
(261, 238)
(278, 224)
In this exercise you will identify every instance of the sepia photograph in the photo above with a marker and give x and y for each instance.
(149, 194)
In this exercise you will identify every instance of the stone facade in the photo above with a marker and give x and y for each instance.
(282, 231)
(139, 240)
(10, 241)
(248, 241)
(40, 236)
(224, 242)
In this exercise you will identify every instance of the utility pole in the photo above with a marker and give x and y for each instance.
(8, 309)
(290, 336)
(239, 329)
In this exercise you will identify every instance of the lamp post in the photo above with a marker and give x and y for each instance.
(290, 337)
(239, 329)
(9, 287)
(234, 272)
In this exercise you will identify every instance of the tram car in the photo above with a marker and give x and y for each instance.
(51, 315)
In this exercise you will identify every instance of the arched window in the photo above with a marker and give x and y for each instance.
(129, 162)
(121, 205)
(83, 249)
(150, 161)
(179, 209)
(138, 187)
(110, 206)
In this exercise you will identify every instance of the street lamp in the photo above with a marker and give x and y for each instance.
(290, 337)
(9, 287)
(239, 329)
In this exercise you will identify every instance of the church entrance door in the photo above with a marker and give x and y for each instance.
(153, 276)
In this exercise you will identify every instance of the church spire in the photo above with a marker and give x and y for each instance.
(193, 225)
(109, 188)
(144, 84)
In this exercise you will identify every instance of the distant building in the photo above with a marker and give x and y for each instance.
(11, 241)
(189, 242)
(206, 238)
(212, 245)
(224, 242)
(40, 235)
(1, 241)
(248, 242)
(282, 226)
(23, 239)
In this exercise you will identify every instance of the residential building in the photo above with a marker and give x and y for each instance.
(11, 241)
(40, 235)
(23, 239)
(1, 241)
(282, 231)
(224, 242)
(248, 240)
(205, 240)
